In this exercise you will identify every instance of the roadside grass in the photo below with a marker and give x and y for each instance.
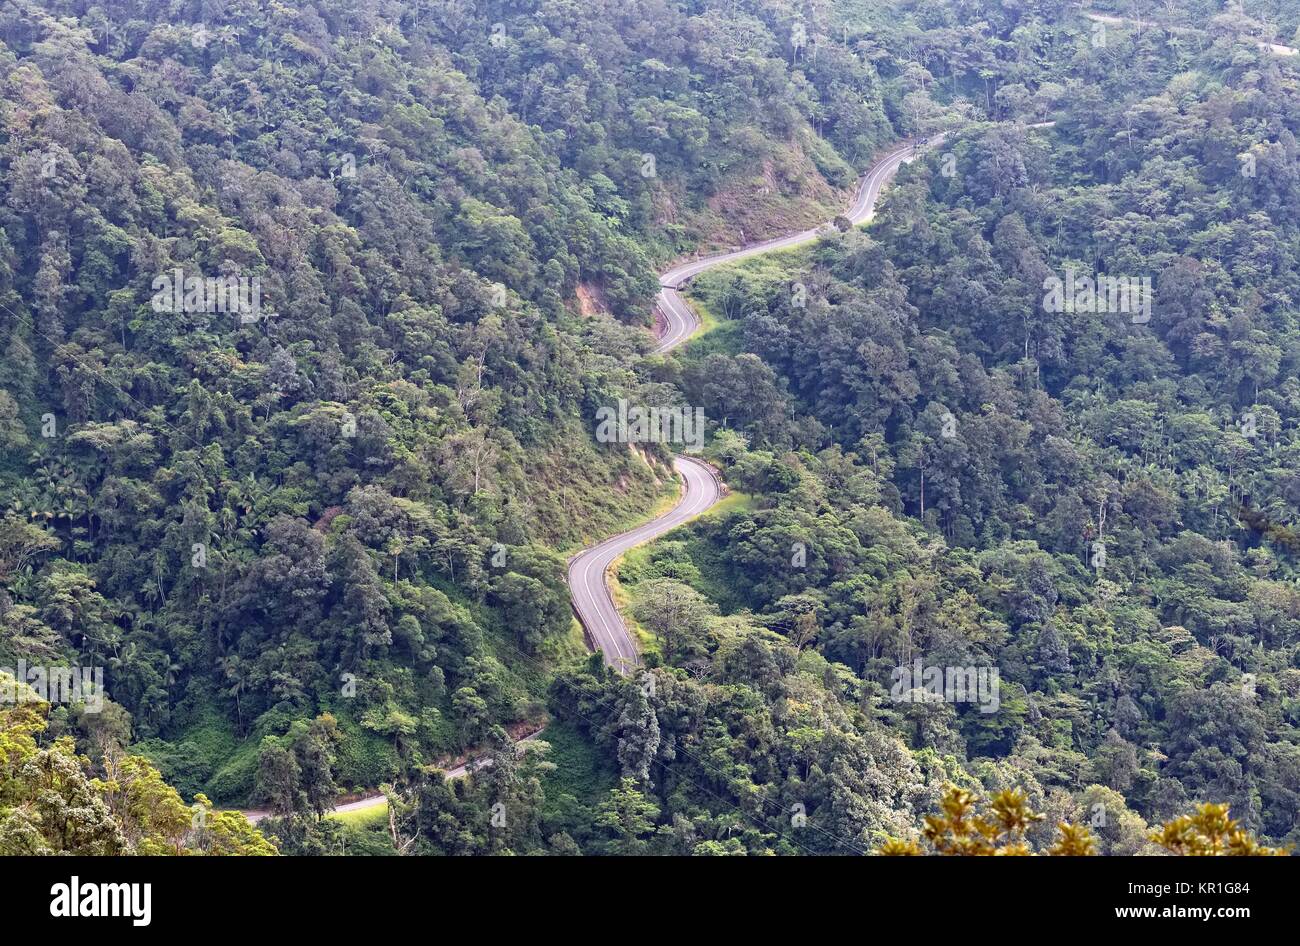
(671, 497)
(631, 510)
(636, 561)
(734, 502)
(580, 490)
(362, 817)
(567, 650)
(646, 643)
(716, 333)
(705, 293)
(365, 833)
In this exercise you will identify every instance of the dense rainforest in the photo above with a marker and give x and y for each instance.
(316, 539)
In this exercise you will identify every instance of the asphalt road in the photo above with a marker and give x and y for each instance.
(379, 798)
(680, 320)
(588, 570)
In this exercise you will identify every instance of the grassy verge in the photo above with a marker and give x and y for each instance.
(646, 505)
(646, 643)
(362, 817)
(730, 504)
(638, 559)
(706, 294)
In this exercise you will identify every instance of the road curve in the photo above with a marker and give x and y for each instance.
(588, 570)
(680, 320)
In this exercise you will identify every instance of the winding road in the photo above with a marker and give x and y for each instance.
(680, 320)
(589, 569)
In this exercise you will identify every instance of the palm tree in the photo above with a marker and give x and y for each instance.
(237, 674)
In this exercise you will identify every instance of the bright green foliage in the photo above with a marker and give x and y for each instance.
(51, 804)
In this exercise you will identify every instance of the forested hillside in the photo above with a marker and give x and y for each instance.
(349, 497)
(314, 531)
(1100, 504)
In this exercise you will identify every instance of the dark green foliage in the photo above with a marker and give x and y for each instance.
(322, 549)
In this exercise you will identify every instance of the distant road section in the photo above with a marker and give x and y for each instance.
(379, 798)
(680, 320)
(1112, 20)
